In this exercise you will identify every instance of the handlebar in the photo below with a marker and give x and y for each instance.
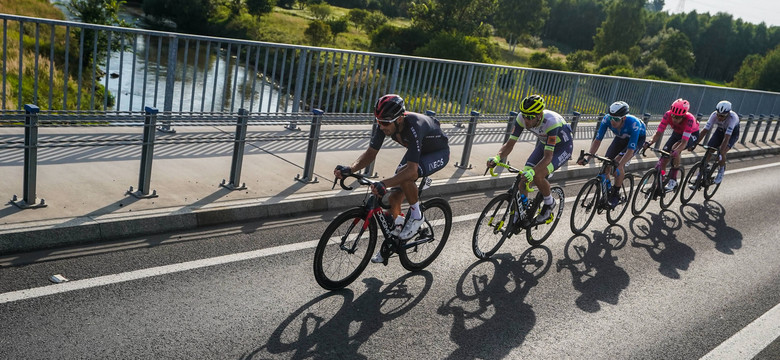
(360, 178)
(511, 170)
(583, 154)
(662, 152)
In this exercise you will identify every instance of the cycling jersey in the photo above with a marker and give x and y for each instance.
(551, 131)
(729, 123)
(424, 141)
(686, 127)
(633, 129)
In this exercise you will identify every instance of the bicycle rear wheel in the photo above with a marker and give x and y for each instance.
(694, 178)
(420, 251)
(614, 214)
(585, 206)
(644, 192)
(711, 187)
(668, 197)
(344, 249)
(537, 234)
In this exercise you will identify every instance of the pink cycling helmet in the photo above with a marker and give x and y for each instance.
(680, 107)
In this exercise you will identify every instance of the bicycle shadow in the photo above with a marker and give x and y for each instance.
(592, 265)
(489, 315)
(710, 218)
(657, 236)
(336, 324)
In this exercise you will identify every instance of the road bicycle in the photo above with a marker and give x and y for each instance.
(347, 244)
(652, 186)
(594, 196)
(697, 181)
(506, 215)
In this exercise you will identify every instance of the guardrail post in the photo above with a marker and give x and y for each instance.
(147, 154)
(298, 89)
(238, 153)
(758, 128)
(29, 198)
(598, 123)
(464, 160)
(575, 119)
(510, 125)
(747, 129)
(311, 152)
(774, 134)
(170, 82)
(768, 126)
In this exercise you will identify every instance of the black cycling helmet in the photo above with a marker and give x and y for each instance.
(533, 104)
(618, 108)
(389, 107)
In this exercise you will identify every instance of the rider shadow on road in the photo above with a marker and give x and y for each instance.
(657, 236)
(490, 317)
(710, 218)
(594, 271)
(335, 325)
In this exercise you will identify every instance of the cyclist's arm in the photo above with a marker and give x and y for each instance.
(506, 149)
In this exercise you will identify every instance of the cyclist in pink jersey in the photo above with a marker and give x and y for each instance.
(685, 133)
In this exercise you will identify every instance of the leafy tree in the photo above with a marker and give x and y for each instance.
(396, 40)
(658, 69)
(357, 16)
(318, 33)
(543, 60)
(509, 25)
(715, 42)
(102, 12)
(577, 61)
(260, 7)
(674, 48)
(761, 73)
(463, 16)
(287, 4)
(575, 22)
(622, 29)
(655, 5)
(373, 21)
(456, 46)
(747, 76)
(191, 16)
(320, 11)
(338, 26)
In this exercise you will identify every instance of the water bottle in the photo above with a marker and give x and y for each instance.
(522, 201)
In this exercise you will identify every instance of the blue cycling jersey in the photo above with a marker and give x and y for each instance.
(633, 128)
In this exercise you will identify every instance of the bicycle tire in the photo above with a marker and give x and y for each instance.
(712, 187)
(585, 206)
(537, 234)
(614, 214)
(693, 178)
(668, 197)
(644, 192)
(430, 239)
(499, 207)
(349, 224)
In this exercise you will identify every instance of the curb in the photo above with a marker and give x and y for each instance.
(25, 237)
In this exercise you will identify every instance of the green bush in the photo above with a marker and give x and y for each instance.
(545, 61)
(396, 40)
(318, 33)
(456, 46)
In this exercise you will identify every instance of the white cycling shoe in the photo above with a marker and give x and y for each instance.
(411, 227)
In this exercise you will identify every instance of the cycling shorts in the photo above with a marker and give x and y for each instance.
(561, 154)
(718, 135)
(429, 163)
(677, 137)
(620, 145)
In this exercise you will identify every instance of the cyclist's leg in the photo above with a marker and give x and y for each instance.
(671, 143)
(732, 141)
(539, 179)
(429, 164)
(615, 152)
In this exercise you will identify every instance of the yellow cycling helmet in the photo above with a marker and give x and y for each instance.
(533, 104)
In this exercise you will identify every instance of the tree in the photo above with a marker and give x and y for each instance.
(543, 60)
(622, 29)
(357, 16)
(191, 16)
(318, 33)
(675, 50)
(509, 25)
(464, 16)
(761, 73)
(575, 22)
(715, 41)
(101, 12)
(456, 46)
(320, 11)
(578, 60)
(373, 21)
(260, 7)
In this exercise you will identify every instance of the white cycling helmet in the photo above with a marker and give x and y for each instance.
(723, 107)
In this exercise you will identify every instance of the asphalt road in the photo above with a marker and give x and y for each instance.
(672, 284)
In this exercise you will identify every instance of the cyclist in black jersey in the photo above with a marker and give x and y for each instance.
(427, 151)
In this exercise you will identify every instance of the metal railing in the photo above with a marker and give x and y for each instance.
(180, 73)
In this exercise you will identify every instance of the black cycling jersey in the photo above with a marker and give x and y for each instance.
(421, 135)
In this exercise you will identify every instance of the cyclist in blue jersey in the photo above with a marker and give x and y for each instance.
(553, 149)
(427, 151)
(629, 131)
(724, 138)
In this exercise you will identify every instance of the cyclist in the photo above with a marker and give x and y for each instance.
(427, 151)
(553, 149)
(629, 131)
(725, 137)
(685, 131)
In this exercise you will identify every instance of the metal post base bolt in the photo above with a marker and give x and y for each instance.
(141, 195)
(230, 186)
(24, 205)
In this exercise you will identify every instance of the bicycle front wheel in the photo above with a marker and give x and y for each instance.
(344, 249)
(694, 179)
(644, 192)
(536, 235)
(492, 226)
(626, 190)
(585, 206)
(421, 250)
(712, 187)
(668, 197)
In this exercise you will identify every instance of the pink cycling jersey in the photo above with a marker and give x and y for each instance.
(686, 127)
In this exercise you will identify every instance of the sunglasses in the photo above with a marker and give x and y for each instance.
(386, 122)
(722, 115)
(529, 116)
(615, 118)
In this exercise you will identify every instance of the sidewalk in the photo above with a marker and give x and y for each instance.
(85, 187)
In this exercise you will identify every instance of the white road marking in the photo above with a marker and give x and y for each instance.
(748, 342)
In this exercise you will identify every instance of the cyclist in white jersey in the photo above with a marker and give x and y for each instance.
(724, 137)
(553, 149)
